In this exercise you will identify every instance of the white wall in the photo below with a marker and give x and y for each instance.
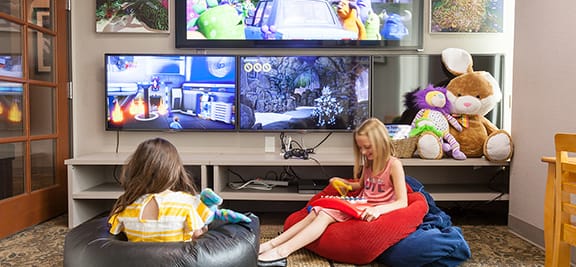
(544, 98)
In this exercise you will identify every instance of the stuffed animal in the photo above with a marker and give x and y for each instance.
(209, 211)
(472, 95)
(432, 125)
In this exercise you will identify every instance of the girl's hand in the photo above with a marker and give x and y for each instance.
(370, 214)
(199, 232)
(335, 179)
(341, 186)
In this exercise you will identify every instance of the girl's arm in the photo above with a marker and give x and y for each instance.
(355, 185)
(199, 232)
(399, 182)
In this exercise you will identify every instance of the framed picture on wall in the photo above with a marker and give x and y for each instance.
(132, 16)
(466, 16)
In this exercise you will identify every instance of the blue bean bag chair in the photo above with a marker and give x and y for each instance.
(436, 242)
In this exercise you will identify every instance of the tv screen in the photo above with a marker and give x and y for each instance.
(170, 92)
(396, 75)
(299, 24)
(303, 93)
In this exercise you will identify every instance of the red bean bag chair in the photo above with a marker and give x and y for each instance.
(361, 242)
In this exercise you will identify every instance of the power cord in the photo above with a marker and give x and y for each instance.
(292, 148)
(237, 175)
(252, 184)
(271, 180)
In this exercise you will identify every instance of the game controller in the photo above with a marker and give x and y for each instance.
(297, 153)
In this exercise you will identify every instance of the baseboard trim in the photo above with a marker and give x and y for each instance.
(532, 234)
(526, 231)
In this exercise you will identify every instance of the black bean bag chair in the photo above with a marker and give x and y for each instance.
(224, 244)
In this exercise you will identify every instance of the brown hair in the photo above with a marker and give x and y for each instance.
(379, 138)
(154, 167)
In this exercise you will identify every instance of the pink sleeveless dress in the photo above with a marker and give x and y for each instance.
(378, 189)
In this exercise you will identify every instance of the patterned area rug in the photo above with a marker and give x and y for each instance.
(41, 245)
(491, 245)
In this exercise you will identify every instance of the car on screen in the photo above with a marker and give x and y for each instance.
(296, 19)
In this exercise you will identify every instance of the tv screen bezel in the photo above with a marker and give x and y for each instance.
(182, 42)
(117, 129)
(301, 130)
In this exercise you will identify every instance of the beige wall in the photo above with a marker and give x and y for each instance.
(544, 98)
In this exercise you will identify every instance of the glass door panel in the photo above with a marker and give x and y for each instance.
(40, 56)
(11, 109)
(42, 110)
(10, 49)
(40, 13)
(11, 7)
(42, 155)
(12, 182)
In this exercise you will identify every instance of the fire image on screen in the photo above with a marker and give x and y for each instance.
(303, 92)
(170, 92)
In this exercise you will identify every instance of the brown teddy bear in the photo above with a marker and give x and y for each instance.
(472, 95)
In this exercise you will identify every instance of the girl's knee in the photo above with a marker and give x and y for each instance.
(311, 215)
(323, 216)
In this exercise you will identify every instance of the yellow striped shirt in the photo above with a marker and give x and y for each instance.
(177, 218)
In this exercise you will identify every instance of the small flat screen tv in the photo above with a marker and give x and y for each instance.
(369, 24)
(170, 92)
(303, 93)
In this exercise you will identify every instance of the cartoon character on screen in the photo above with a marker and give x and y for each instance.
(348, 13)
(394, 25)
(216, 21)
(155, 83)
(209, 211)
(370, 19)
(175, 124)
(246, 8)
(372, 25)
(205, 104)
(434, 111)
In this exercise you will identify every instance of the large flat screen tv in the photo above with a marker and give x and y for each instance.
(370, 24)
(170, 92)
(303, 93)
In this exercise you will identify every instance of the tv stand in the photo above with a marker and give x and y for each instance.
(92, 188)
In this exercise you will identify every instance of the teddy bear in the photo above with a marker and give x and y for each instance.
(432, 125)
(209, 211)
(472, 95)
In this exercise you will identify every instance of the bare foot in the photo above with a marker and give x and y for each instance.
(265, 247)
(270, 255)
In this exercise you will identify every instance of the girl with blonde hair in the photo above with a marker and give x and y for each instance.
(378, 175)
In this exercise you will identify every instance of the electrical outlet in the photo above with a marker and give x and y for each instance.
(269, 144)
